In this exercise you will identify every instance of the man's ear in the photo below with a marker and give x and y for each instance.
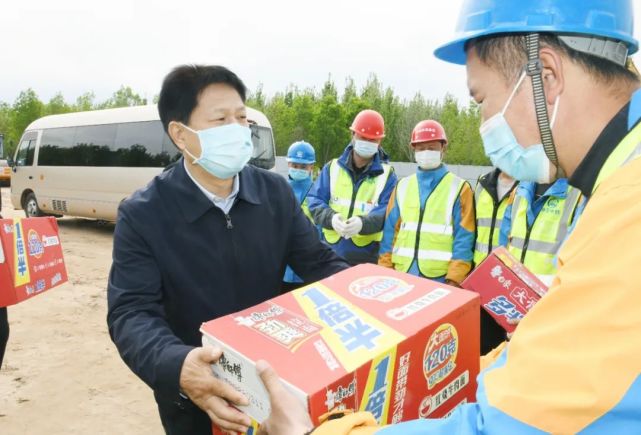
(553, 74)
(178, 133)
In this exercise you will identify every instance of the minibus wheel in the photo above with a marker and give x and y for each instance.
(31, 208)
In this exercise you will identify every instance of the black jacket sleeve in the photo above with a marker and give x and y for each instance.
(136, 316)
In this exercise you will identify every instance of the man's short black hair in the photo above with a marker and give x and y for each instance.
(507, 53)
(183, 85)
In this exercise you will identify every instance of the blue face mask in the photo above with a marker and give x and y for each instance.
(225, 150)
(364, 148)
(501, 146)
(298, 174)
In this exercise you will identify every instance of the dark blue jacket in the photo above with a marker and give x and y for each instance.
(319, 196)
(178, 261)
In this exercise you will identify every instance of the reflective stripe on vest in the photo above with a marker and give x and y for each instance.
(430, 240)
(342, 199)
(306, 211)
(627, 150)
(488, 224)
(546, 235)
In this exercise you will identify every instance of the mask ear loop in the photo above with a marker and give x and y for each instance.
(554, 111)
(516, 88)
(195, 159)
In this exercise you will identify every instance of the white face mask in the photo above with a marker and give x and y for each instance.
(365, 148)
(428, 159)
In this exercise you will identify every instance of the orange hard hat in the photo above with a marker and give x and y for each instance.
(427, 131)
(369, 124)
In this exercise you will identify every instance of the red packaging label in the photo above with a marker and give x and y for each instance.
(31, 259)
(368, 339)
(507, 288)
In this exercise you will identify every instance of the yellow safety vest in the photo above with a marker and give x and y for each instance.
(305, 207)
(537, 246)
(627, 150)
(489, 217)
(426, 233)
(348, 203)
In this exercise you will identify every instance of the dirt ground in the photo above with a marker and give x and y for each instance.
(61, 372)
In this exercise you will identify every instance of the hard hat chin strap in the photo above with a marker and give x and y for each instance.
(534, 69)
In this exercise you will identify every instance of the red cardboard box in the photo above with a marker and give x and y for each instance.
(31, 260)
(368, 338)
(508, 289)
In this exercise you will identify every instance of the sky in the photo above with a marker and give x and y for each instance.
(76, 46)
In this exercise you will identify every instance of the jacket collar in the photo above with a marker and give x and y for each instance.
(559, 189)
(191, 200)
(432, 176)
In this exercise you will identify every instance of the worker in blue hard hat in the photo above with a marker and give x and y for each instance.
(300, 169)
(573, 364)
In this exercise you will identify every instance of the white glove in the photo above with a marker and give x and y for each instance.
(338, 224)
(353, 226)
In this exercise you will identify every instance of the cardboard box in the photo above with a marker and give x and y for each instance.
(368, 338)
(31, 260)
(508, 289)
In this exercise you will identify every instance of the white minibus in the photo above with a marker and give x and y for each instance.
(84, 164)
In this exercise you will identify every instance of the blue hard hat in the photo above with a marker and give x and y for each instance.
(301, 152)
(612, 19)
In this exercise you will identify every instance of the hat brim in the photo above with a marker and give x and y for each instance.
(300, 161)
(454, 51)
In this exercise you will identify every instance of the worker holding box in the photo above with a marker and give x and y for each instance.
(429, 227)
(574, 363)
(349, 198)
(537, 224)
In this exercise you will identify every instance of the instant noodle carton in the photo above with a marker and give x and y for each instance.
(508, 289)
(368, 338)
(31, 260)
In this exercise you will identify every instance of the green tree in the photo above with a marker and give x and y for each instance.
(257, 98)
(281, 117)
(26, 109)
(330, 134)
(85, 102)
(124, 97)
(303, 113)
(5, 125)
(56, 105)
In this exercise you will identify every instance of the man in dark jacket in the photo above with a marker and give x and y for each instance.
(208, 237)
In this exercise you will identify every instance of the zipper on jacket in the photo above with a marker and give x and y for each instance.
(418, 236)
(351, 205)
(525, 243)
(495, 211)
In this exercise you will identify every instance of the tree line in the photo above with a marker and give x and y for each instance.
(321, 117)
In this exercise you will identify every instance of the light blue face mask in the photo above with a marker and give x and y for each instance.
(298, 174)
(364, 148)
(501, 146)
(225, 150)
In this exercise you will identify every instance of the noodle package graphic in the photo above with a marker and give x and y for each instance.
(31, 259)
(507, 288)
(368, 338)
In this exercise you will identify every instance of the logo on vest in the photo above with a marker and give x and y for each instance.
(439, 359)
(380, 288)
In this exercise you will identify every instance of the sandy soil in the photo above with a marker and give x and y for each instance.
(61, 372)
